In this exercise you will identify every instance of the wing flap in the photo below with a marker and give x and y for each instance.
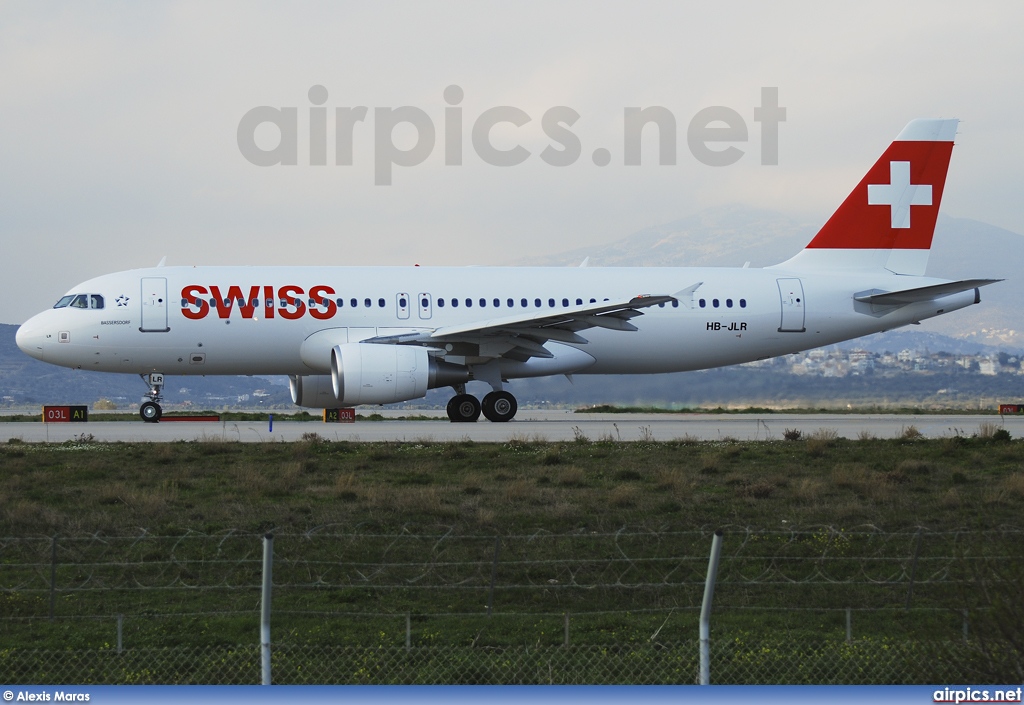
(524, 335)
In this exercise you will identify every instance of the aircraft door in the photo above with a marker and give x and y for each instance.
(791, 293)
(426, 305)
(402, 305)
(154, 305)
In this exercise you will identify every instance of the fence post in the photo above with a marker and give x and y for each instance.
(705, 609)
(494, 574)
(268, 564)
(913, 568)
(120, 630)
(53, 574)
(849, 625)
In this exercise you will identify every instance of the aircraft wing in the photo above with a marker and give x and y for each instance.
(522, 336)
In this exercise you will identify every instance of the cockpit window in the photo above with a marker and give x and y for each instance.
(93, 301)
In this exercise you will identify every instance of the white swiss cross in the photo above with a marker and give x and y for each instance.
(899, 194)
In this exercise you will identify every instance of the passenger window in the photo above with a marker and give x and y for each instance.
(714, 302)
(353, 303)
(593, 301)
(728, 303)
(483, 303)
(340, 302)
(743, 303)
(455, 302)
(367, 303)
(511, 303)
(497, 303)
(702, 303)
(402, 302)
(440, 303)
(579, 302)
(523, 302)
(551, 303)
(381, 303)
(675, 304)
(565, 303)
(469, 303)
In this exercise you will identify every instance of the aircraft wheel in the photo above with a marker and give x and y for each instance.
(150, 412)
(500, 406)
(463, 408)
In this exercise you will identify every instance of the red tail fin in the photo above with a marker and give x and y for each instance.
(888, 220)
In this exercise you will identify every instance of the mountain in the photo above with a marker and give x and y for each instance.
(729, 236)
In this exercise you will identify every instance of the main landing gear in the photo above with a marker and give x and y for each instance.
(150, 410)
(498, 407)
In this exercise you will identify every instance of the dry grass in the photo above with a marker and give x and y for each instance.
(624, 496)
(823, 434)
(910, 433)
(986, 430)
(809, 490)
(1014, 485)
(863, 481)
(517, 486)
(571, 476)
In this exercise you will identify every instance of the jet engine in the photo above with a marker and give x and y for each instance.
(372, 373)
(313, 391)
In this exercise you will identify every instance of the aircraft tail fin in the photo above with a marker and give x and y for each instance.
(888, 220)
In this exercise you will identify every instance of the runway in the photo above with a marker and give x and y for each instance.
(530, 425)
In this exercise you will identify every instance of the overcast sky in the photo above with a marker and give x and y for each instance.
(119, 124)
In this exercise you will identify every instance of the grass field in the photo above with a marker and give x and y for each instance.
(616, 534)
(82, 488)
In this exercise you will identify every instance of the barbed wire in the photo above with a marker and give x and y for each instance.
(624, 560)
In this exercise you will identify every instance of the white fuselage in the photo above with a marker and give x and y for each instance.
(175, 320)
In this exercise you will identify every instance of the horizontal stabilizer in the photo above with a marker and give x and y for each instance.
(923, 293)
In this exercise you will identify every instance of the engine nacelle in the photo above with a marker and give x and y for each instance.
(313, 391)
(372, 373)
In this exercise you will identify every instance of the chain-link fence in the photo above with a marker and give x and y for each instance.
(817, 606)
(869, 662)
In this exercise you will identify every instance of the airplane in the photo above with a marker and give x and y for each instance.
(347, 336)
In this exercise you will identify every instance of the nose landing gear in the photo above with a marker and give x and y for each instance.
(150, 410)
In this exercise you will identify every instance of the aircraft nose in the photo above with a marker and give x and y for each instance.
(29, 339)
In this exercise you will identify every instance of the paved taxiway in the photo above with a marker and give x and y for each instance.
(530, 425)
